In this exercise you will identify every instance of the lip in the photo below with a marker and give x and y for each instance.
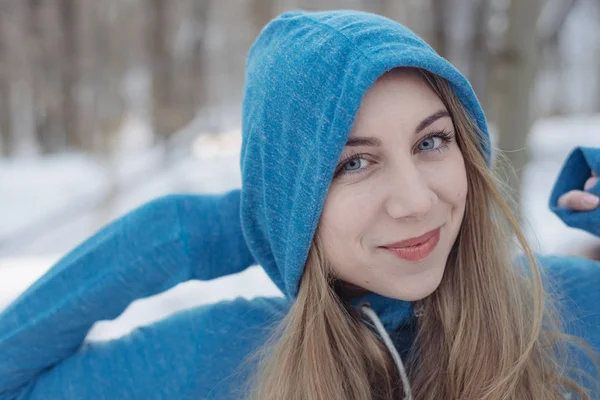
(417, 248)
(414, 241)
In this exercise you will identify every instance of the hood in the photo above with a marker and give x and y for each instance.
(306, 74)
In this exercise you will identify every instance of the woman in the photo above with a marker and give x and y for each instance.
(366, 197)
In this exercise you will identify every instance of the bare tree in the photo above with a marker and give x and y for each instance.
(552, 19)
(20, 71)
(51, 48)
(261, 12)
(396, 10)
(439, 36)
(170, 90)
(479, 68)
(109, 105)
(42, 32)
(69, 74)
(5, 114)
(514, 69)
(200, 10)
(160, 62)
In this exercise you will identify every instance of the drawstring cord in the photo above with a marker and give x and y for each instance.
(372, 315)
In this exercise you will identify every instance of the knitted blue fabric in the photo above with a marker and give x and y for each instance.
(577, 169)
(164, 242)
(305, 77)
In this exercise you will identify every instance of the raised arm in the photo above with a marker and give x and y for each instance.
(575, 280)
(576, 182)
(151, 249)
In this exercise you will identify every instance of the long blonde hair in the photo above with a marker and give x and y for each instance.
(488, 332)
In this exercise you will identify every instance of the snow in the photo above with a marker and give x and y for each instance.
(550, 142)
(49, 205)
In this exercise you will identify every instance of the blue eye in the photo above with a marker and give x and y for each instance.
(437, 141)
(355, 164)
(430, 143)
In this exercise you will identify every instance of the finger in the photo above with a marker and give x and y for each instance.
(590, 183)
(578, 200)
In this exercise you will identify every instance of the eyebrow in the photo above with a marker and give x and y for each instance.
(375, 142)
(363, 141)
(431, 119)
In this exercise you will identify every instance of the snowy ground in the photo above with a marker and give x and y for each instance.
(49, 205)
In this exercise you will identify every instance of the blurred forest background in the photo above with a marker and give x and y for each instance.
(105, 104)
(71, 71)
(76, 75)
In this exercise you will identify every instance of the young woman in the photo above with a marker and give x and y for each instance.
(367, 198)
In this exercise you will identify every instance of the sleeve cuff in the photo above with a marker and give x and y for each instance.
(576, 170)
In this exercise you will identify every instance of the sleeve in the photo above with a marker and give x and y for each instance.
(573, 283)
(167, 241)
(576, 170)
(200, 353)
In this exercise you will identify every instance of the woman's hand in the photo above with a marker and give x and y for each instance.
(578, 200)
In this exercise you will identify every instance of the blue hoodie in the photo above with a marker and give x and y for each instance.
(306, 75)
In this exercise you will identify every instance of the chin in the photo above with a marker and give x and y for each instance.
(416, 291)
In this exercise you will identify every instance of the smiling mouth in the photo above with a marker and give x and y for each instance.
(416, 249)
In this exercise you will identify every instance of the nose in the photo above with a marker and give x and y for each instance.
(409, 194)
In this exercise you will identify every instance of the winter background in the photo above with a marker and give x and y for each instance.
(53, 196)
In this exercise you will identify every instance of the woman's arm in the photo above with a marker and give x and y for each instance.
(199, 353)
(575, 281)
(153, 248)
(576, 181)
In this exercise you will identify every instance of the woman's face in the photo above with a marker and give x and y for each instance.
(401, 176)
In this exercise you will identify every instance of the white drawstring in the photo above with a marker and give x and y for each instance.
(372, 315)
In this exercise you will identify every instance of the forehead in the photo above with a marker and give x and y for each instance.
(399, 99)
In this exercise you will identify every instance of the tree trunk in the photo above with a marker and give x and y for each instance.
(110, 104)
(51, 51)
(5, 107)
(396, 10)
(261, 12)
(440, 15)
(39, 45)
(160, 63)
(479, 68)
(21, 75)
(70, 75)
(513, 80)
(200, 10)
(109, 110)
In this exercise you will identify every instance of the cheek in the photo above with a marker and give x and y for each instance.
(450, 181)
(346, 218)
(462, 185)
(458, 191)
(337, 218)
